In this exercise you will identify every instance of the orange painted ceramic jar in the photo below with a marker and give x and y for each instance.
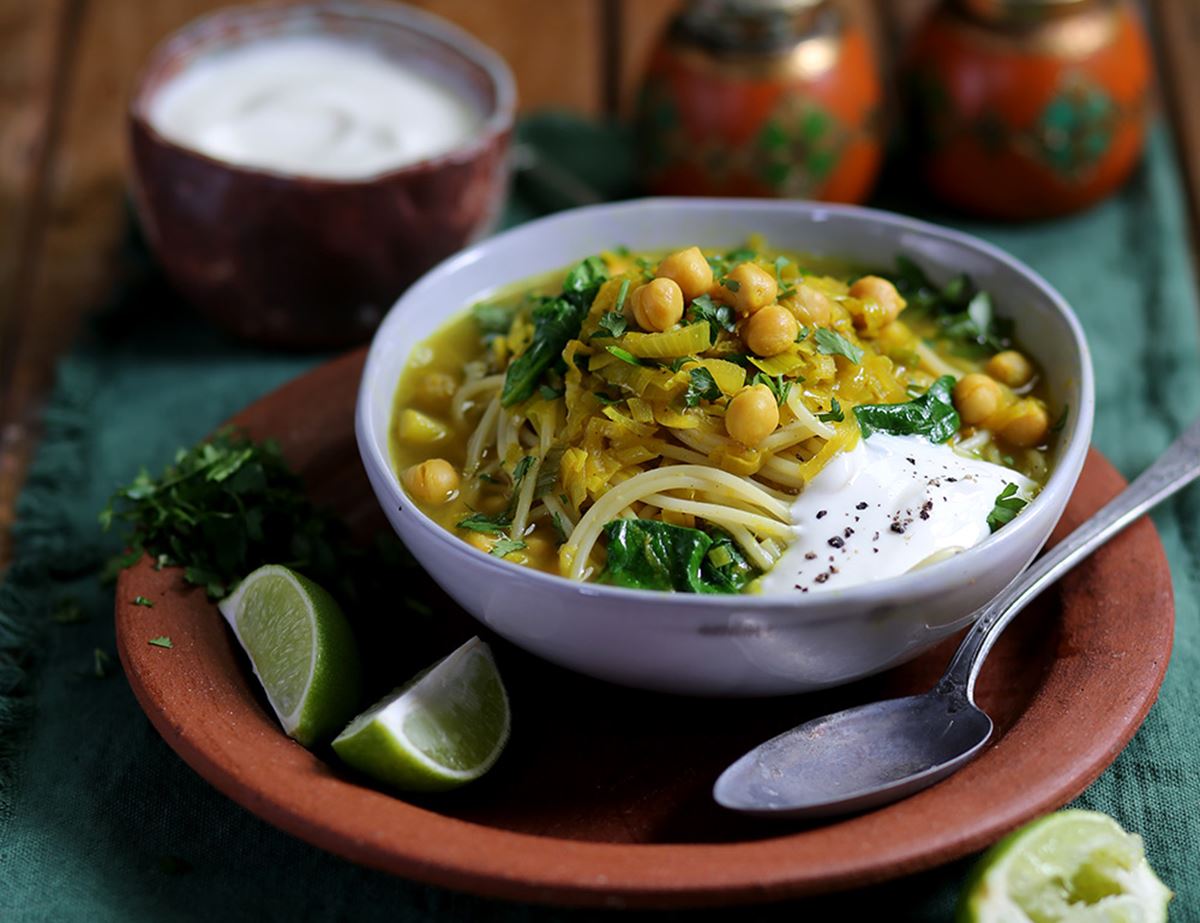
(1029, 108)
(762, 98)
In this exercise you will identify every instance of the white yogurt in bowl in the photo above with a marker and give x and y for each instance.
(312, 105)
(890, 505)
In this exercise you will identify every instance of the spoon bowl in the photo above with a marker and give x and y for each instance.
(856, 759)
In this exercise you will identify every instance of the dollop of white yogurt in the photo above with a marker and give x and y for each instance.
(887, 506)
(311, 106)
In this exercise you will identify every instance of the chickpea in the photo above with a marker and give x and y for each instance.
(1010, 368)
(432, 481)
(689, 270)
(1026, 424)
(977, 397)
(882, 292)
(770, 331)
(752, 415)
(813, 308)
(657, 305)
(435, 390)
(755, 287)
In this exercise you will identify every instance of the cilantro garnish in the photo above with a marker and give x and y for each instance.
(143, 601)
(832, 343)
(162, 641)
(1008, 504)
(482, 522)
(779, 386)
(506, 546)
(833, 415)
(719, 316)
(546, 393)
(702, 387)
(225, 507)
(100, 663)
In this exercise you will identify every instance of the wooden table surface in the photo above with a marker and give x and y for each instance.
(66, 70)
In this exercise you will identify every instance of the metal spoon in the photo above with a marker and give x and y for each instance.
(874, 754)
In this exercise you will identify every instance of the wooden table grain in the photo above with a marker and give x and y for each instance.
(66, 70)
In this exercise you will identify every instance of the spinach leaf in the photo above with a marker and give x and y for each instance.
(832, 343)
(556, 321)
(1008, 504)
(725, 567)
(931, 415)
(702, 387)
(651, 555)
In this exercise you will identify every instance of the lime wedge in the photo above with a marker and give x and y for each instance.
(442, 729)
(301, 648)
(1069, 867)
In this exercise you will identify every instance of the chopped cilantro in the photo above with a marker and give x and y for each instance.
(779, 386)
(832, 343)
(701, 387)
(521, 469)
(1008, 504)
(481, 522)
(613, 322)
(162, 641)
(833, 415)
(719, 316)
(680, 361)
(546, 393)
(505, 546)
(143, 601)
(559, 528)
(100, 663)
(605, 399)
(493, 319)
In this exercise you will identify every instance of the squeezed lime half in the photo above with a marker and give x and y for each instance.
(444, 728)
(301, 648)
(1070, 867)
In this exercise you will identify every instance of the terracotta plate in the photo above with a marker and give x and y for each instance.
(603, 794)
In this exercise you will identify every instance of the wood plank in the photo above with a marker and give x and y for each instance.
(33, 41)
(1178, 28)
(554, 47)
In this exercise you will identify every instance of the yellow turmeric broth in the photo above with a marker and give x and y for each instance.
(526, 450)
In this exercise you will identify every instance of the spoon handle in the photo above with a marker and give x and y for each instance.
(1174, 470)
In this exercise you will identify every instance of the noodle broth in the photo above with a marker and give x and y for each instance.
(621, 443)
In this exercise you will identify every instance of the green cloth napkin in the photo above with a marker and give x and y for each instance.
(100, 821)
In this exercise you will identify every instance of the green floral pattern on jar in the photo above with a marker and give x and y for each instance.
(1076, 128)
(797, 150)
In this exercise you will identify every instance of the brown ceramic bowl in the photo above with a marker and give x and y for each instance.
(301, 261)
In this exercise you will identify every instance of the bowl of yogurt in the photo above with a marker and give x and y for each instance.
(923, 558)
(296, 168)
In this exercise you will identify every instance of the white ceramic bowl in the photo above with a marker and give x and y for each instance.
(727, 645)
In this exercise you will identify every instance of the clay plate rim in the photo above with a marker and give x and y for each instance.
(199, 699)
